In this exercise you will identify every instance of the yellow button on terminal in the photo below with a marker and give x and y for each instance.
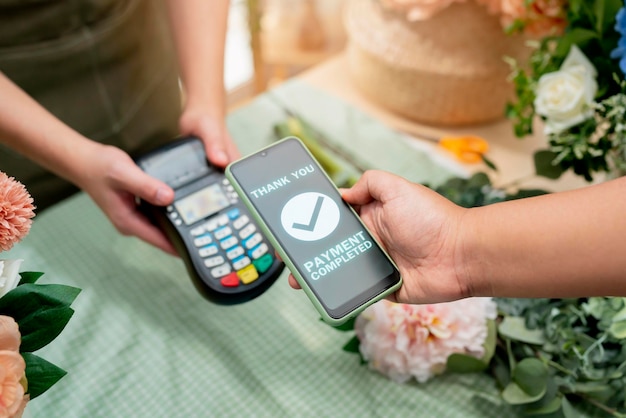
(248, 274)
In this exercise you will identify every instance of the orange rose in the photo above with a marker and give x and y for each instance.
(10, 337)
(540, 17)
(12, 367)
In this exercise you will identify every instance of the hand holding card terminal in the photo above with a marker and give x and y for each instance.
(226, 255)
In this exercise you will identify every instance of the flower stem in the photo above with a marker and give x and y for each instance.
(613, 412)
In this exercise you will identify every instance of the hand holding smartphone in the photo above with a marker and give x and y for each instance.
(328, 249)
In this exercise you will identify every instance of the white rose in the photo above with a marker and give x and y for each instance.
(565, 97)
(9, 275)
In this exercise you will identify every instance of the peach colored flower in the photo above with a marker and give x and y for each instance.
(10, 337)
(16, 211)
(12, 379)
(20, 410)
(414, 341)
(539, 18)
(12, 368)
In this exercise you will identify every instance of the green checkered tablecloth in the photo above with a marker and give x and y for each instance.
(143, 343)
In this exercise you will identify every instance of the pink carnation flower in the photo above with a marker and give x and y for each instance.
(404, 341)
(16, 211)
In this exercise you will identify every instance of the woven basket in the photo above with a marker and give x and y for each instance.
(447, 70)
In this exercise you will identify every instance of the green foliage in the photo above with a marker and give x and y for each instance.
(591, 146)
(574, 348)
(40, 374)
(612, 111)
(479, 191)
(29, 277)
(542, 60)
(41, 312)
(352, 346)
(544, 164)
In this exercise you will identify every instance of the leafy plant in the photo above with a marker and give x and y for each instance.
(553, 353)
(41, 311)
(478, 190)
(586, 147)
(549, 357)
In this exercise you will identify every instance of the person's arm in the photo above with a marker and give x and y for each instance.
(568, 244)
(199, 30)
(29, 129)
(106, 173)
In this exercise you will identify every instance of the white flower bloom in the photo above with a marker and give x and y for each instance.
(9, 275)
(565, 98)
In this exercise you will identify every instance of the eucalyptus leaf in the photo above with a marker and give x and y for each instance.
(545, 406)
(479, 179)
(41, 374)
(568, 410)
(544, 165)
(596, 390)
(531, 375)
(621, 314)
(618, 329)
(549, 408)
(463, 363)
(514, 328)
(514, 395)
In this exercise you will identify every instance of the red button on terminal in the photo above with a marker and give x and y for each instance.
(230, 280)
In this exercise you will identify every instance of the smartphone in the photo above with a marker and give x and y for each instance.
(226, 255)
(321, 239)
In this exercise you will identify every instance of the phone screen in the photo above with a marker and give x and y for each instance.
(326, 242)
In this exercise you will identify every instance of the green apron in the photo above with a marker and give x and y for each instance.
(106, 68)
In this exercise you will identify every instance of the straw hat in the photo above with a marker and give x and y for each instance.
(447, 70)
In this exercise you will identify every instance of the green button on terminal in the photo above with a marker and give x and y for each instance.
(263, 263)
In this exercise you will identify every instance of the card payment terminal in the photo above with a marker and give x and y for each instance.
(226, 255)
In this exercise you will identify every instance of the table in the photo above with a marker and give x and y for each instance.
(143, 343)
